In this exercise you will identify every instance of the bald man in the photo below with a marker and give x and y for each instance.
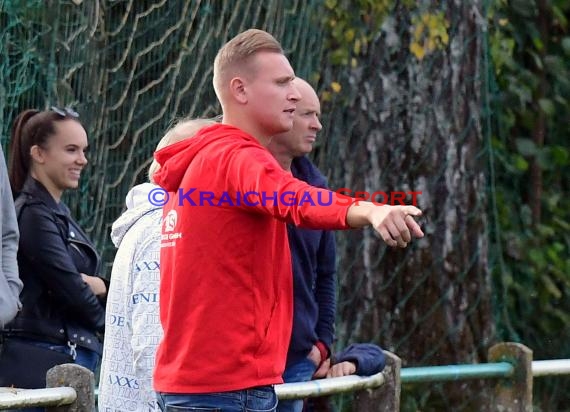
(313, 254)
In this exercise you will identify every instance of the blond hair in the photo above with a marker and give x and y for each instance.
(233, 57)
(183, 129)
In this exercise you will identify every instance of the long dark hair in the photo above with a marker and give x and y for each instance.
(30, 128)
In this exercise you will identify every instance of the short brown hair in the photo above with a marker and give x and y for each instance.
(183, 129)
(236, 52)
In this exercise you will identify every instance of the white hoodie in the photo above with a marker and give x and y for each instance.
(132, 325)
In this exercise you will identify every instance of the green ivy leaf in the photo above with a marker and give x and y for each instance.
(562, 223)
(561, 100)
(566, 45)
(560, 155)
(520, 163)
(545, 230)
(547, 106)
(526, 147)
(560, 16)
(330, 4)
(551, 287)
(537, 41)
(537, 59)
(544, 158)
(521, 90)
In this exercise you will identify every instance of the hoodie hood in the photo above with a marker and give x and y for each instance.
(175, 159)
(138, 205)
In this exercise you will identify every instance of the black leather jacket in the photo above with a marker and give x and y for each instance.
(53, 251)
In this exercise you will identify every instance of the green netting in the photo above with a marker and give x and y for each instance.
(397, 118)
(129, 68)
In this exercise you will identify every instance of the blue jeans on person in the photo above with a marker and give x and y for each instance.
(84, 357)
(301, 371)
(259, 399)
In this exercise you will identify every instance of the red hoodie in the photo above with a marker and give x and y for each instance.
(226, 299)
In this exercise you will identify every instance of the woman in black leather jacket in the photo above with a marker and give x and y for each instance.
(63, 298)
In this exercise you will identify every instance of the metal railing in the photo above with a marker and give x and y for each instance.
(69, 388)
(511, 364)
(25, 398)
(514, 369)
(551, 367)
(456, 372)
(331, 386)
(481, 371)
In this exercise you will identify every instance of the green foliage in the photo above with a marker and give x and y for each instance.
(429, 33)
(529, 48)
(350, 25)
(536, 274)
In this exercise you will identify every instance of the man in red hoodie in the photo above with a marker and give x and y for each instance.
(226, 284)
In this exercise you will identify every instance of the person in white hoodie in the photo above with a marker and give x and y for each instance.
(132, 324)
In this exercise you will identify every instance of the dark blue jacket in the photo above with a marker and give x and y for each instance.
(368, 358)
(313, 256)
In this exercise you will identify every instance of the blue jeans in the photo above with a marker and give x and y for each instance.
(84, 357)
(301, 371)
(260, 399)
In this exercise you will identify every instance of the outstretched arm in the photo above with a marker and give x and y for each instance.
(395, 224)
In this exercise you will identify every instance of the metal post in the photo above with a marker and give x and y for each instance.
(514, 394)
(79, 378)
(387, 397)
